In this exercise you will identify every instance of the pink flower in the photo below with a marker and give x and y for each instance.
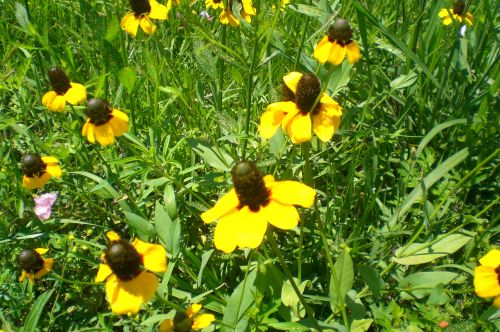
(206, 15)
(43, 205)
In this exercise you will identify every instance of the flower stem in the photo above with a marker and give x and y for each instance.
(249, 95)
(60, 278)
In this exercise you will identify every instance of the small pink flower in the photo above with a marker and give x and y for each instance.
(206, 15)
(443, 324)
(43, 205)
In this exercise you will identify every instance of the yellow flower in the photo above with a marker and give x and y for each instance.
(184, 322)
(283, 4)
(227, 17)
(33, 265)
(64, 91)
(39, 170)
(123, 266)
(456, 14)
(142, 13)
(294, 113)
(487, 277)
(337, 44)
(255, 201)
(247, 11)
(104, 123)
(214, 4)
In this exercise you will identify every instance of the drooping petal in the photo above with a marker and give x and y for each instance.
(469, 19)
(104, 134)
(130, 24)
(272, 117)
(248, 7)
(147, 25)
(54, 171)
(337, 53)
(202, 321)
(285, 123)
(330, 106)
(47, 267)
(158, 11)
(112, 236)
(57, 104)
(292, 193)
(167, 326)
(103, 272)
(299, 128)
(48, 98)
(127, 296)
(281, 215)
(118, 122)
(41, 251)
(268, 179)
(226, 232)
(291, 80)
(36, 181)
(154, 256)
(486, 282)
(223, 206)
(251, 228)
(193, 309)
(322, 50)
(76, 94)
(324, 126)
(214, 5)
(496, 302)
(88, 131)
(444, 12)
(353, 52)
(491, 259)
(227, 17)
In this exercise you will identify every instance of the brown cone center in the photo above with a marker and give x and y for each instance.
(59, 81)
(250, 186)
(30, 260)
(140, 7)
(124, 260)
(308, 90)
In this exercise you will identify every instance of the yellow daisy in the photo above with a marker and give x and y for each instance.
(456, 14)
(247, 11)
(487, 277)
(337, 44)
(33, 265)
(227, 17)
(64, 91)
(214, 4)
(142, 13)
(104, 123)
(39, 170)
(255, 201)
(184, 322)
(295, 112)
(123, 266)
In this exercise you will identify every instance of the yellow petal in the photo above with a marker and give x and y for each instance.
(291, 80)
(50, 160)
(112, 236)
(104, 134)
(226, 232)
(330, 106)
(47, 267)
(469, 19)
(246, 17)
(299, 128)
(48, 98)
(202, 321)
(88, 130)
(223, 206)
(35, 181)
(147, 26)
(158, 11)
(127, 296)
(251, 228)
(167, 326)
(104, 272)
(214, 5)
(248, 7)
(76, 94)
(272, 117)
(445, 12)
(292, 193)
(337, 53)
(57, 104)
(227, 17)
(324, 126)
(41, 251)
(193, 309)
(118, 123)
(54, 171)
(268, 179)
(491, 259)
(323, 49)
(280, 215)
(154, 256)
(353, 52)
(24, 275)
(496, 303)
(130, 24)
(292, 113)
(486, 282)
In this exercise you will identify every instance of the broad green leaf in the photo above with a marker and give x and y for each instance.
(144, 228)
(212, 155)
(242, 298)
(420, 253)
(434, 131)
(173, 244)
(372, 278)
(290, 298)
(127, 78)
(312, 11)
(204, 260)
(162, 221)
(36, 311)
(345, 276)
(420, 284)
(403, 81)
(361, 325)
(169, 200)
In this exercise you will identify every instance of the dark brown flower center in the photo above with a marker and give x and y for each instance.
(124, 260)
(59, 81)
(340, 31)
(249, 185)
(30, 261)
(308, 90)
(140, 7)
(33, 165)
(459, 8)
(182, 322)
(98, 111)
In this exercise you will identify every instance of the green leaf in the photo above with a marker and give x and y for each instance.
(36, 311)
(127, 78)
(204, 260)
(420, 253)
(173, 244)
(212, 155)
(372, 278)
(144, 228)
(403, 81)
(361, 325)
(311, 11)
(239, 302)
(345, 276)
(420, 284)
(162, 221)
(169, 200)
(290, 298)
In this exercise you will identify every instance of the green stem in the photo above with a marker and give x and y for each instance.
(60, 278)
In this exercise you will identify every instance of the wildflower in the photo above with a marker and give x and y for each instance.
(255, 201)
(337, 44)
(123, 266)
(43, 205)
(63, 91)
(283, 4)
(33, 265)
(214, 4)
(184, 322)
(487, 277)
(142, 13)
(104, 123)
(206, 15)
(457, 13)
(294, 113)
(39, 170)
(227, 16)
